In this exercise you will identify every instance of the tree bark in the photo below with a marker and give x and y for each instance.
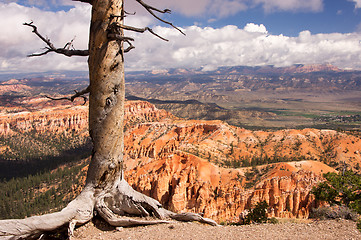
(105, 191)
(107, 95)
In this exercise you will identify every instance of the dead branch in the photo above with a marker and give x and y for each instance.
(130, 46)
(151, 10)
(142, 30)
(72, 98)
(51, 48)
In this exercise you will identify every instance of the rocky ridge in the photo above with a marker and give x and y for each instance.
(230, 146)
(69, 118)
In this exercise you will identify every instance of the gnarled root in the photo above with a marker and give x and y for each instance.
(124, 200)
(121, 221)
(78, 211)
(117, 206)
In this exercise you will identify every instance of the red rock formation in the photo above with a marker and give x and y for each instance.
(68, 118)
(179, 162)
(219, 142)
(183, 182)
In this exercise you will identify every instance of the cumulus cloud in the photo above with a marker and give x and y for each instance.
(251, 27)
(230, 45)
(17, 40)
(205, 47)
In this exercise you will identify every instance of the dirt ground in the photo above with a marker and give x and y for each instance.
(330, 229)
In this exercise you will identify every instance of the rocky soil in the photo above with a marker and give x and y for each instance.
(330, 229)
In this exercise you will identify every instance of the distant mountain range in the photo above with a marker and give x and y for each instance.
(241, 95)
(268, 69)
(254, 78)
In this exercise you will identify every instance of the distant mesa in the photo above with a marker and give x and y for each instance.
(293, 69)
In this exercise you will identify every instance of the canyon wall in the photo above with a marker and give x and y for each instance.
(209, 167)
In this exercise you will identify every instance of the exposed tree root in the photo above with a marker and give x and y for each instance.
(126, 201)
(116, 207)
(79, 211)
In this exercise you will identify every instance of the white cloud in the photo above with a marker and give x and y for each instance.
(210, 48)
(201, 47)
(357, 3)
(251, 27)
(17, 40)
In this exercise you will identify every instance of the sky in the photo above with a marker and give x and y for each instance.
(218, 33)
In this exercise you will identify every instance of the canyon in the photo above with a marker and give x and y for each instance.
(203, 166)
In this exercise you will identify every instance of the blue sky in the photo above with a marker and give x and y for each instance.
(340, 16)
(219, 33)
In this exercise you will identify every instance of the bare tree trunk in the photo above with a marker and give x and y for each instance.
(107, 93)
(105, 191)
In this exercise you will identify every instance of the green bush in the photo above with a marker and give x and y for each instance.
(340, 189)
(258, 214)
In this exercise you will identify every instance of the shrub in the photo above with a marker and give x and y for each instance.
(340, 189)
(258, 214)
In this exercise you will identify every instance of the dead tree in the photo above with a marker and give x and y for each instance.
(105, 192)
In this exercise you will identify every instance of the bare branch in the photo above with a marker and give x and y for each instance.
(142, 30)
(148, 7)
(69, 45)
(39, 54)
(72, 98)
(130, 46)
(51, 48)
(151, 10)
